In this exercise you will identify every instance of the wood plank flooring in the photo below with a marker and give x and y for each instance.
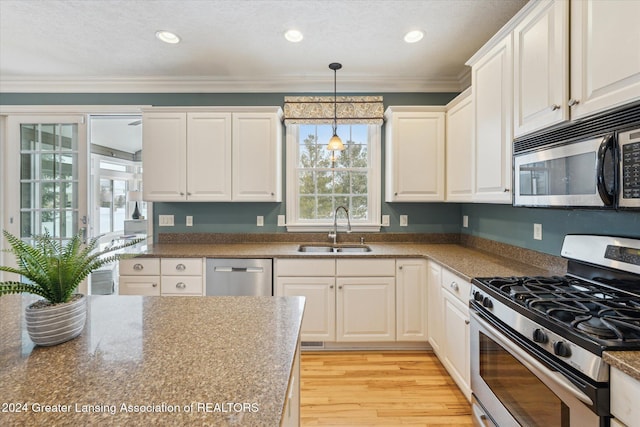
(379, 389)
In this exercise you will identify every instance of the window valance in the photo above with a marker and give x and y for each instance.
(319, 109)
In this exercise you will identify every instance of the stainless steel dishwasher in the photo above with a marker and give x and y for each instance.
(239, 277)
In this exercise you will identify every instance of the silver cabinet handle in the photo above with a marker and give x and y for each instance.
(506, 190)
(555, 107)
(180, 285)
(395, 194)
(181, 193)
(466, 322)
(154, 285)
(138, 267)
(181, 267)
(399, 267)
(454, 286)
(330, 286)
(573, 102)
(340, 287)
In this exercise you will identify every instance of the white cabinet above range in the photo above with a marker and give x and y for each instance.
(212, 154)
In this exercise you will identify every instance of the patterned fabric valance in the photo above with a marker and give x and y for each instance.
(319, 109)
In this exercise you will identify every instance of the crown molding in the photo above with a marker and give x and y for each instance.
(69, 84)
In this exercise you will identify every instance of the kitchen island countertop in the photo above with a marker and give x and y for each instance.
(153, 360)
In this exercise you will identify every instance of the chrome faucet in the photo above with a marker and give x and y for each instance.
(334, 234)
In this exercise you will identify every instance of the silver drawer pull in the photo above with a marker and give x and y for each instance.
(181, 267)
(138, 267)
(180, 285)
(154, 285)
(454, 286)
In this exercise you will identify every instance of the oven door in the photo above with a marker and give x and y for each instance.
(514, 388)
(573, 175)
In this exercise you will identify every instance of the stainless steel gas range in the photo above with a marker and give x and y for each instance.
(537, 342)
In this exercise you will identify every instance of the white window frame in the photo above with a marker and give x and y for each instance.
(374, 185)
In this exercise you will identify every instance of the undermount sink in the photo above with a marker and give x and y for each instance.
(337, 248)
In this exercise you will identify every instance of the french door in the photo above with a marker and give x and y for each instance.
(46, 173)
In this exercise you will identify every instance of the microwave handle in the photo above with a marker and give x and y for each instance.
(607, 195)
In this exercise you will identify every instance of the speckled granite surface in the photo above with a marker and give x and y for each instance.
(627, 361)
(226, 359)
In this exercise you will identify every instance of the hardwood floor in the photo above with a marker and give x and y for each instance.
(379, 389)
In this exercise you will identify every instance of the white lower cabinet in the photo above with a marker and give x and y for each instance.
(161, 276)
(449, 323)
(358, 299)
(365, 309)
(624, 399)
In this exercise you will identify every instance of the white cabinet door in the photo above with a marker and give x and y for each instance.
(493, 111)
(435, 307)
(605, 54)
(411, 300)
(456, 328)
(257, 157)
(365, 309)
(541, 67)
(414, 156)
(318, 323)
(164, 144)
(459, 170)
(208, 157)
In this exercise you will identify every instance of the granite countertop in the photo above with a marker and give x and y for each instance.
(626, 361)
(464, 261)
(182, 360)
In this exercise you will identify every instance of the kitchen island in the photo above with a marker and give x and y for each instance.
(154, 360)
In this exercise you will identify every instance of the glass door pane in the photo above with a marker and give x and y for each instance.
(50, 180)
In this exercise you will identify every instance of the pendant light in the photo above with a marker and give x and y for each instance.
(335, 143)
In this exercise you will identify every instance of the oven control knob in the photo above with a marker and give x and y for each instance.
(539, 336)
(486, 302)
(560, 348)
(478, 296)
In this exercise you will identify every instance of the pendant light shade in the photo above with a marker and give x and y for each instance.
(335, 143)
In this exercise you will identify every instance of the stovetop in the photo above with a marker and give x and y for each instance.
(607, 317)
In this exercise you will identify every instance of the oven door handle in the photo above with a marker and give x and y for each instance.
(532, 364)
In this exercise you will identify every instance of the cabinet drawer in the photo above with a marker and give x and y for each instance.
(181, 266)
(624, 395)
(139, 285)
(305, 267)
(366, 267)
(139, 266)
(177, 285)
(456, 285)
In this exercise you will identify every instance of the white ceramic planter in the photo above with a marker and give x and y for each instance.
(57, 323)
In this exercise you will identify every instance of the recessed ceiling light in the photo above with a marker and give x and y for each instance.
(413, 36)
(167, 37)
(294, 36)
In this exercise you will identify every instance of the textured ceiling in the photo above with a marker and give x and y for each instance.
(238, 45)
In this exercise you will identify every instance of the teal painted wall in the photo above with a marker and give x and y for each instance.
(503, 223)
(514, 226)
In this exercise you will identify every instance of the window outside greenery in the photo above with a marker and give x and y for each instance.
(323, 183)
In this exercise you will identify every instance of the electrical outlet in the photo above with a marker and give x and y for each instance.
(165, 220)
(189, 221)
(282, 221)
(404, 220)
(260, 221)
(385, 220)
(537, 231)
(465, 221)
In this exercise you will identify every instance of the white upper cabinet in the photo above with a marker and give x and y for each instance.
(605, 54)
(541, 67)
(415, 145)
(164, 148)
(491, 78)
(459, 152)
(257, 157)
(212, 155)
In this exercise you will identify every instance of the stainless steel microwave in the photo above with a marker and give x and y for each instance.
(595, 172)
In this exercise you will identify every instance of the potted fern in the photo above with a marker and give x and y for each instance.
(54, 272)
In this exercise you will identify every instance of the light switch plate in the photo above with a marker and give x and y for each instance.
(189, 221)
(282, 221)
(385, 220)
(537, 231)
(465, 221)
(404, 220)
(165, 220)
(260, 221)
